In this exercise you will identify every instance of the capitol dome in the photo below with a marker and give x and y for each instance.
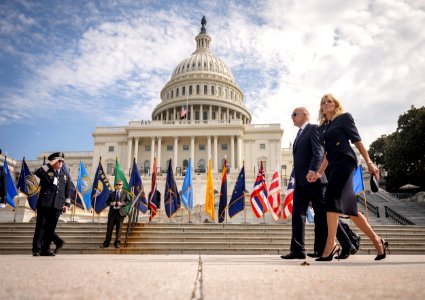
(203, 86)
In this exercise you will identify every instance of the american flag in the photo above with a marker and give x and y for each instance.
(152, 196)
(259, 194)
(287, 205)
(274, 197)
(183, 112)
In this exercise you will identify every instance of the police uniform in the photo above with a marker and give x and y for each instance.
(54, 194)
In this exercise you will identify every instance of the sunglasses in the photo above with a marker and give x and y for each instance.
(294, 114)
(119, 184)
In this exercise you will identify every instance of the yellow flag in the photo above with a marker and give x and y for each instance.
(209, 197)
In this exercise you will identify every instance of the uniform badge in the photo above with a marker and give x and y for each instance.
(50, 173)
(64, 177)
(337, 143)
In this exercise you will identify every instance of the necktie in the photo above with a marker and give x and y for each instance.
(118, 196)
(298, 135)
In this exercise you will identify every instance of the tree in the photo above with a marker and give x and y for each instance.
(402, 153)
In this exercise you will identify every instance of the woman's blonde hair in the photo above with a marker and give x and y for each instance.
(339, 109)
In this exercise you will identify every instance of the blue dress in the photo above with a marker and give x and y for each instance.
(336, 136)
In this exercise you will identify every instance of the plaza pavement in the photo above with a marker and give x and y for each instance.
(209, 277)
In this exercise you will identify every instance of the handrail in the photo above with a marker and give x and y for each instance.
(392, 214)
(133, 217)
(373, 209)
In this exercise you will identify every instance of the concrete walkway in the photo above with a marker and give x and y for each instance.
(209, 277)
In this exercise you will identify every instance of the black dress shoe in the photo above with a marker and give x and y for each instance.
(104, 245)
(293, 255)
(117, 245)
(344, 254)
(314, 254)
(47, 253)
(36, 253)
(59, 247)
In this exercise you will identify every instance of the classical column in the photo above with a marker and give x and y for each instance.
(232, 152)
(234, 114)
(176, 139)
(158, 157)
(152, 152)
(129, 145)
(167, 115)
(192, 152)
(209, 147)
(174, 114)
(239, 152)
(136, 147)
(215, 154)
(219, 114)
(192, 116)
(201, 117)
(210, 114)
(228, 114)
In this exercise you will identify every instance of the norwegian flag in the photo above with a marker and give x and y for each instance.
(259, 194)
(287, 205)
(183, 112)
(153, 205)
(274, 197)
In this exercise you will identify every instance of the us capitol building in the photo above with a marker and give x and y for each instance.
(216, 125)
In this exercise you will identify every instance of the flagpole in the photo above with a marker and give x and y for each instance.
(95, 197)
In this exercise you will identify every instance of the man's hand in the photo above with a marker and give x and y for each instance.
(65, 209)
(112, 203)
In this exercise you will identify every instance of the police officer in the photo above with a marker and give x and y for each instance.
(54, 198)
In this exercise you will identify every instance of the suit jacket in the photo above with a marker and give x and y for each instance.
(124, 198)
(51, 194)
(337, 136)
(308, 154)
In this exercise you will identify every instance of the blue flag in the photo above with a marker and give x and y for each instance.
(75, 199)
(172, 198)
(28, 185)
(310, 215)
(223, 195)
(187, 188)
(237, 201)
(358, 185)
(84, 186)
(101, 190)
(7, 185)
(136, 187)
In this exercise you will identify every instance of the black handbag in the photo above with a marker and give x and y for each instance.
(354, 237)
(374, 184)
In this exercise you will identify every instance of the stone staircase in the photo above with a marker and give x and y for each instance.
(160, 238)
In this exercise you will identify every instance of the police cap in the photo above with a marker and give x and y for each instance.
(56, 155)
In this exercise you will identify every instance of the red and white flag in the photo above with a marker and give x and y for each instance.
(287, 205)
(153, 200)
(274, 197)
(183, 112)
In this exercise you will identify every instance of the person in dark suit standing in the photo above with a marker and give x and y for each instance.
(337, 130)
(308, 155)
(54, 198)
(117, 201)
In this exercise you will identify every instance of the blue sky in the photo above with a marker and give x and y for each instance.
(69, 66)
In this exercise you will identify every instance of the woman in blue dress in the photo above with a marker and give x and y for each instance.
(337, 129)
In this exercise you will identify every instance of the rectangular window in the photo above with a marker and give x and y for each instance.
(147, 148)
(111, 148)
(169, 147)
(202, 147)
(109, 168)
(185, 147)
(223, 146)
(262, 146)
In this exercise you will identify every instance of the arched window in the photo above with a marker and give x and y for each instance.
(147, 165)
(197, 115)
(219, 91)
(177, 92)
(205, 115)
(212, 90)
(172, 94)
(198, 89)
(205, 90)
(201, 164)
(183, 90)
(190, 90)
(185, 164)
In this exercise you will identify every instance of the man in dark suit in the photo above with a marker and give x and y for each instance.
(308, 155)
(54, 198)
(117, 201)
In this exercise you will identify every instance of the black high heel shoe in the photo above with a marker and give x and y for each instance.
(334, 251)
(385, 248)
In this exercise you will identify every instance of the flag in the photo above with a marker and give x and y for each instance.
(101, 189)
(209, 197)
(8, 188)
(310, 215)
(153, 199)
(187, 188)
(136, 187)
(358, 184)
(75, 199)
(237, 201)
(84, 186)
(119, 175)
(287, 204)
(259, 194)
(171, 194)
(183, 112)
(274, 197)
(223, 195)
(28, 185)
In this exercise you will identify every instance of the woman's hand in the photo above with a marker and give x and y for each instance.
(373, 170)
